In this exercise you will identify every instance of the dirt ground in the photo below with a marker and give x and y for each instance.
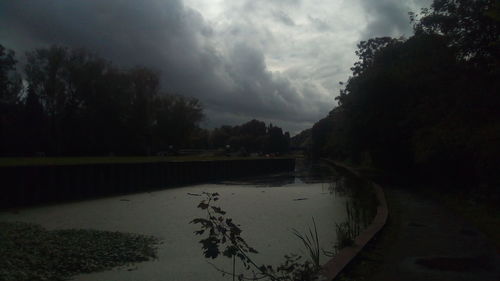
(423, 240)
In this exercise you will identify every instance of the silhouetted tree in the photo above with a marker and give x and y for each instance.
(425, 106)
(10, 90)
(76, 103)
(176, 119)
(469, 25)
(253, 136)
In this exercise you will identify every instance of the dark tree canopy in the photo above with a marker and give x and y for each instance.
(253, 136)
(10, 82)
(425, 107)
(10, 92)
(75, 103)
(471, 26)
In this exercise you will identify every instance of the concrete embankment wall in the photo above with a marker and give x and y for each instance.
(30, 185)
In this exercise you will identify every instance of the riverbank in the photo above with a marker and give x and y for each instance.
(425, 240)
(36, 184)
(348, 253)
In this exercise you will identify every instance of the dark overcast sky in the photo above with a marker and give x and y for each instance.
(279, 61)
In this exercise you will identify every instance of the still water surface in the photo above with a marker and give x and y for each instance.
(267, 208)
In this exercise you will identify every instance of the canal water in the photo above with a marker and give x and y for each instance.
(267, 208)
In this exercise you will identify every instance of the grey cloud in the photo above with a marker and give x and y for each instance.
(169, 37)
(283, 18)
(252, 5)
(261, 93)
(386, 18)
(224, 64)
(319, 24)
(417, 5)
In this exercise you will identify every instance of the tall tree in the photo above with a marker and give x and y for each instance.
(427, 105)
(10, 89)
(469, 25)
(10, 81)
(176, 118)
(46, 75)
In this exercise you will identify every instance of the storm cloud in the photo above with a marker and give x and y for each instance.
(390, 17)
(277, 61)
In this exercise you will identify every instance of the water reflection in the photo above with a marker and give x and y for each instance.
(305, 173)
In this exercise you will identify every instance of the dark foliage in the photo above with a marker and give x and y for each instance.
(253, 136)
(73, 102)
(223, 237)
(425, 107)
(301, 140)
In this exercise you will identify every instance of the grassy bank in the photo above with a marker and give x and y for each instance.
(30, 252)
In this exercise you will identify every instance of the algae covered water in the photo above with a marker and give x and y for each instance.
(267, 208)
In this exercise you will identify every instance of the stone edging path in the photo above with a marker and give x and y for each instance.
(423, 240)
(335, 265)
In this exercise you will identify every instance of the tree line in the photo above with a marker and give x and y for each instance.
(71, 102)
(253, 136)
(426, 107)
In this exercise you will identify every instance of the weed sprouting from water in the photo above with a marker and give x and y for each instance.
(311, 242)
(361, 208)
(224, 237)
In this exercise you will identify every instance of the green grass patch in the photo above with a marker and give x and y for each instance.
(30, 252)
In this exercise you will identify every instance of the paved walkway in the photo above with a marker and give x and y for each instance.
(425, 241)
